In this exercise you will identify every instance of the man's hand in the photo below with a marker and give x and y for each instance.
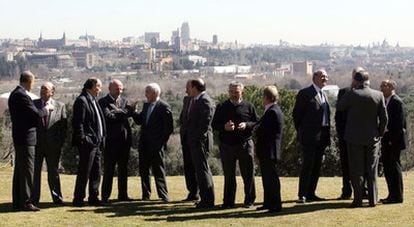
(241, 126)
(50, 107)
(229, 126)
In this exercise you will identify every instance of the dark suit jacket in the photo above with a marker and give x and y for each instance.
(396, 123)
(85, 122)
(117, 125)
(24, 116)
(183, 120)
(269, 134)
(154, 135)
(307, 116)
(199, 122)
(340, 116)
(57, 126)
(366, 115)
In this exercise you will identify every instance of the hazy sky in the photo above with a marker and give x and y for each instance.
(247, 21)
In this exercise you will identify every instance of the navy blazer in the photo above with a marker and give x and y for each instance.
(397, 124)
(24, 116)
(85, 122)
(269, 134)
(155, 133)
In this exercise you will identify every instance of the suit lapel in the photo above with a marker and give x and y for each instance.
(52, 113)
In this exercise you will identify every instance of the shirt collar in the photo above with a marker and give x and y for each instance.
(268, 106)
(198, 96)
(316, 88)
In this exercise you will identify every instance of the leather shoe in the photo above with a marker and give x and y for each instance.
(78, 203)
(227, 206)
(95, 202)
(165, 200)
(355, 205)
(391, 201)
(248, 205)
(125, 199)
(301, 199)
(314, 198)
(274, 210)
(190, 199)
(58, 202)
(204, 206)
(344, 197)
(30, 207)
(146, 199)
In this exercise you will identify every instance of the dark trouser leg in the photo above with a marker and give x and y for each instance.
(123, 158)
(39, 155)
(23, 175)
(52, 161)
(86, 159)
(271, 184)
(346, 182)
(246, 164)
(95, 176)
(356, 156)
(189, 172)
(371, 169)
(228, 161)
(204, 176)
(308, 159)
(144, 167)
(392, 171)
(109, 169)
(159, 175)
(317, 161)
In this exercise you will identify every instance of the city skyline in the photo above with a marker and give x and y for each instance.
(264, 21)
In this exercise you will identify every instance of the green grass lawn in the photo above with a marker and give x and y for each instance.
(149, 213)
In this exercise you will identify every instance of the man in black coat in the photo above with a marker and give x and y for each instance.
(312, 123)
(118, 140)
(89, 137)
(340, 123)
(24, 117)
(189, 169)
(393, 142)
(51, 135)
(156, 127)
(200, 139)
(268, 149)
(234, 120)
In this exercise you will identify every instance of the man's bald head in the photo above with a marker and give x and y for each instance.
(115, 88)
(47, 90)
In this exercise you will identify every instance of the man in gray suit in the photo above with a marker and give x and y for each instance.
(200, 140)
(51, 134)
(365, 124)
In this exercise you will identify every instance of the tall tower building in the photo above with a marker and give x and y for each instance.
(174, 35)
(185, 33)
(215, 39)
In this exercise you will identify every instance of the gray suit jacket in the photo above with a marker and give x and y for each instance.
(199, 122)
(57, 125)
(366, 115)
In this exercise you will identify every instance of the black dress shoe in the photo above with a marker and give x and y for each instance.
(204, 206)
(355, 205)
(227, 206)
(30, 207)
(58, 202)
(301, 199)
(262, 208)
(344, 197)
(165, 200)
(78, 203)
(314, 198)
(125, 199)
(248, 205)
(391, 201)
(274, 210)
(95, 202)
(190, 199)
(146, 199)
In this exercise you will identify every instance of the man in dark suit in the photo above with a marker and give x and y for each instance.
(268, 149)
(234, 120)
(189, 170)
(393, 142)
(51, 135)
(200, 139)
(312, 122)
(156, 127)
(365, 124)
(89, 137)
(118, 140)
(24, 117)
(340, 122)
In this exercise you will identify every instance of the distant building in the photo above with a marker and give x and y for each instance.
(302, 68)
(84, 60)
(197, 60)
(185, 33)
(150, 36)
(52, 43)
(215, 39)
(229, 69)
(174, 36)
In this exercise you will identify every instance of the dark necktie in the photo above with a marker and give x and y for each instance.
(46, 118)
(98, 116)
(190, 106)
(149, 111)
(325, 119)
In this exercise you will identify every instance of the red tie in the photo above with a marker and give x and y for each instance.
(46, 118)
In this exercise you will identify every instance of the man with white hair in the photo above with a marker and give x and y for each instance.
(156, 127)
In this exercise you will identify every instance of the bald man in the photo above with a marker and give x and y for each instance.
(51, 135)
(118, 141)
